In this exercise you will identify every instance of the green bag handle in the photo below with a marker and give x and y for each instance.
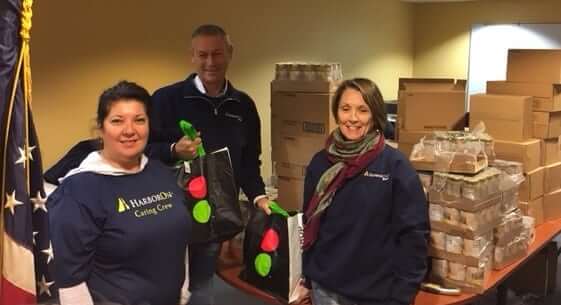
(277, 209)
(190, 132)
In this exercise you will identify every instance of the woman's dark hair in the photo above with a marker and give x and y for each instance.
(371, 96)
(123, 90)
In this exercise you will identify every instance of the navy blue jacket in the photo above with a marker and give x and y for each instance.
(229, 121)
(125, 236)
(372, 243)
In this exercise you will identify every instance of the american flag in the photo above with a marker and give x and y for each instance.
(26, 254)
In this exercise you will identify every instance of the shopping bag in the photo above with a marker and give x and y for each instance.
(272, 253)
(211, 197)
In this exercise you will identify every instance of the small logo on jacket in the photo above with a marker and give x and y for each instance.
(122, 205)
(384, 177)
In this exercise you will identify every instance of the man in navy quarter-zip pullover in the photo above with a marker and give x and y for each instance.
(225, 117)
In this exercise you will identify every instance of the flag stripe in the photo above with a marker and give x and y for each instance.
(15, 295)
(21, 274)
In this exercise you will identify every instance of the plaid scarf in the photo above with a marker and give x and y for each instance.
(348, 158)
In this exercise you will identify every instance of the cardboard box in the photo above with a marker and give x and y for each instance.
(419, 97)
(533, 185)
(295, 150)
(547, 97)
(552, 177)
(506, 117)
(526, 152)
(540, 66)
(291, 170)
(290, 193)
(405, 149)
(430, 84)
(547, 125)
(533, 208)
(419, 110)
(300, 114)
(551, 151)
(552, 206)
(317, 86)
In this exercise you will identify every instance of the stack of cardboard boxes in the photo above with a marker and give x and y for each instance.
(301, 121)
(523, 114)
(425, 105)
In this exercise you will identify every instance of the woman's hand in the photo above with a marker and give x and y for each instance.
(303, 294)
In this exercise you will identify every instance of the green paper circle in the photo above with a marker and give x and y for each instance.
(263, 264)
(202, 211)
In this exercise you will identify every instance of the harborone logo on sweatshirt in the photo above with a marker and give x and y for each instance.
(150, 205)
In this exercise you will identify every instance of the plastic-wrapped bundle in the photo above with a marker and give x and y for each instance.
(505, 255)
(436, 212)
(439, 268)
(457, 271)
(529, 230)
(438, 240)
(509, 228)
(475, 247)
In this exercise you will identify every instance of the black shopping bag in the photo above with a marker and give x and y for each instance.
(211, 197)
(272, 254)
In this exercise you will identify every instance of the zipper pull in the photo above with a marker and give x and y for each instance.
(215, 111)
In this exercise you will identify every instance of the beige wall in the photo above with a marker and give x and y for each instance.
(81, 47)
(442, 30)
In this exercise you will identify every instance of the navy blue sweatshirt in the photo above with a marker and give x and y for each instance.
(372, 243)
(229, 121)
(124, 236)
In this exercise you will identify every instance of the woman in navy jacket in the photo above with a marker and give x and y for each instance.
(365, 235)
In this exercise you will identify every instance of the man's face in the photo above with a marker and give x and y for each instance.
(211, 56)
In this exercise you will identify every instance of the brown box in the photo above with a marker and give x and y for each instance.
(290, 193)
(287, 169)
(526, 152)
(295, 150)
(420, 114)
(547, 125)
(318, 86)
(533, 185)
(547, 97)
(408, 138)
(552, 206)
(552, 177)
(301, 114)
(418, 98)
(430, 84)
(534, 209)
(506, 117)
(540, 66)
(551, 151)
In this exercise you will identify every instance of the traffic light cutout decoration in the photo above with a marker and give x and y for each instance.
(209, 186)
(272, 252)
(196, 188)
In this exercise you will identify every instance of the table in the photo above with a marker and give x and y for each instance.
(230, 265)
(544, 233)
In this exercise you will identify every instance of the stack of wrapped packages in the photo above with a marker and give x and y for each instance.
(476, 225)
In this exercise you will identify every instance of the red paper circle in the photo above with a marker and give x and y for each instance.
(196, 187)
(270, 241)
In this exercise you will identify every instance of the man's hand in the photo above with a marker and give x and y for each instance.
(186, 149)
(263, 204)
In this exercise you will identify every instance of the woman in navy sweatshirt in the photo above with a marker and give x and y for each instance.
(118, 223)
(365, 235)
